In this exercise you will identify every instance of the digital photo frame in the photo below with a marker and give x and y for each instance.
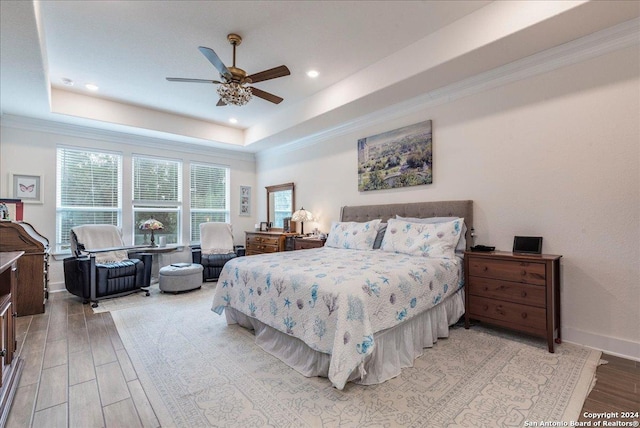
(527, 244)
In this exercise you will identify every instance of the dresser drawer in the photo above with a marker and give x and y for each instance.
(305, 244)
(515, 292)
(261, 248)
(513, 315)
(262, 240)
(519, 271)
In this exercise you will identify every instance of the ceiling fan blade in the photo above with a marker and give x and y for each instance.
(266, 95)
(269, 74)
(180, 79)
(221, 103)
(215, 60)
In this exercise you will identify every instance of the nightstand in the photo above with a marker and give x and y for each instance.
(306, 243)
(517, 291)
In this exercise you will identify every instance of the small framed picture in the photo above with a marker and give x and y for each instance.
(264, 226)
(245, 201)
(27, 188)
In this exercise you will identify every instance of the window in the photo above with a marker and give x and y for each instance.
(89, 190)
(209, 196)
(156, 194)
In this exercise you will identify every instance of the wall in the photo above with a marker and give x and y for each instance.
(556, 154)
(29, 147)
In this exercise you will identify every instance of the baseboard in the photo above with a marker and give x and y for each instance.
(619, 347)
(56, 287)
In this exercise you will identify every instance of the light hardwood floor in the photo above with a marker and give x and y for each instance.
(78, 374)
(76, 371)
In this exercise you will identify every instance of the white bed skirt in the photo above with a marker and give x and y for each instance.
(394, 349)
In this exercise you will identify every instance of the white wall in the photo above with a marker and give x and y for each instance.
(555, 155)
(33, 151)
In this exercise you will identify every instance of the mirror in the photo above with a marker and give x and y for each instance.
(280, 204)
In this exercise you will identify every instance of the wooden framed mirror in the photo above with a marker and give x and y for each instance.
(281, 202)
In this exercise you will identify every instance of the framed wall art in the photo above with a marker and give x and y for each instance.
(28, 188)
(245, 201)
(399, 158)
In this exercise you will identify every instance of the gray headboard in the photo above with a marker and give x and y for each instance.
(412, 209)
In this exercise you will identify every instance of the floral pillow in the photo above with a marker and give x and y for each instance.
(428, 240)
(353, 235)
(462, 243)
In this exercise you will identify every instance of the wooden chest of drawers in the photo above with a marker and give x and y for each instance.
(264, 242)
(517, 291)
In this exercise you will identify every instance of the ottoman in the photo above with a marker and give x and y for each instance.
(180, 277)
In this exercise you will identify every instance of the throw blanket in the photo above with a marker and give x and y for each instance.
(98, 236)
(216, 238)
(336, 299)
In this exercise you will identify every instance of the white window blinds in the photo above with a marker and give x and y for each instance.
(88, 190)
(209, 186)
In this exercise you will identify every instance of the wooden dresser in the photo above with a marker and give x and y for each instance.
(517, 291)
(33, 282)
(265, 242)
(10, 362)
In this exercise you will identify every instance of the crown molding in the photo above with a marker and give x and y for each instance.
(618, 37)
(86, 132)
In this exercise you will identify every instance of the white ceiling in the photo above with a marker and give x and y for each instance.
(369, 54)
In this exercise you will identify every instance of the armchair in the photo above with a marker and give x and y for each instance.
(102, 267)
(215, 249)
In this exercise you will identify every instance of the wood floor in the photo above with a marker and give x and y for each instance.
(78, 374)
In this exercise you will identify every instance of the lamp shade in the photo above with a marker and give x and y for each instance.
(302, 215)
(151, 224)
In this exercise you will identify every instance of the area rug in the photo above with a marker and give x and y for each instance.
(199, 372)
(140, 299)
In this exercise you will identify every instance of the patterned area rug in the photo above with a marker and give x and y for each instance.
(199, 372)
(140, 299)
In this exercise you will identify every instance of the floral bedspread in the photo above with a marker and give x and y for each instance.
(335, 299)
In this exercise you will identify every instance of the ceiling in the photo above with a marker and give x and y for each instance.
(369, 55)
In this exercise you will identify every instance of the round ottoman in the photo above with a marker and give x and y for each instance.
(180, 277)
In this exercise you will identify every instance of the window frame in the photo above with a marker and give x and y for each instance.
(61, 243)
(194, 232)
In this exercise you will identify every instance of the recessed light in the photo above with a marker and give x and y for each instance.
(313, 74)
(91, 87)
(67, 82)
(233, 120)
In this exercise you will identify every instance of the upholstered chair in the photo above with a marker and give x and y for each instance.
(102, 266)
(215, 249)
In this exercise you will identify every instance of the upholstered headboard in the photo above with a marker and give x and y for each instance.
(412, 209)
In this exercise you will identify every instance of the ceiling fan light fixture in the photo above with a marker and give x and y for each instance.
(234, 93)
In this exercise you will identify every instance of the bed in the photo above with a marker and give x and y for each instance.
(350, 313)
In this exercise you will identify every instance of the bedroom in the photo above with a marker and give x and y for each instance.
(551, 150)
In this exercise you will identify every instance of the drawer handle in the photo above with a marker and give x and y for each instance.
(524, 294)
(500, 310)
(486, 268)
(524, 273)
(486, 288)
(524, 315)
(486, 307)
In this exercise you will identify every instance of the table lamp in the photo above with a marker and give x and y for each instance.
(151, 225)
(302, 215)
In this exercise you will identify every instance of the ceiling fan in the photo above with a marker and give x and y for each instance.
(234, 81)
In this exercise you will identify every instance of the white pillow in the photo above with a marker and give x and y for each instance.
(353, 235)
(462, 243)
(422, 239)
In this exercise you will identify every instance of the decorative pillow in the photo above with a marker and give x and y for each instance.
(422, 239)
(462, 243)
(353, 235)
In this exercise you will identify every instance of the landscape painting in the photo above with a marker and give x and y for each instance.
(398, 158)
